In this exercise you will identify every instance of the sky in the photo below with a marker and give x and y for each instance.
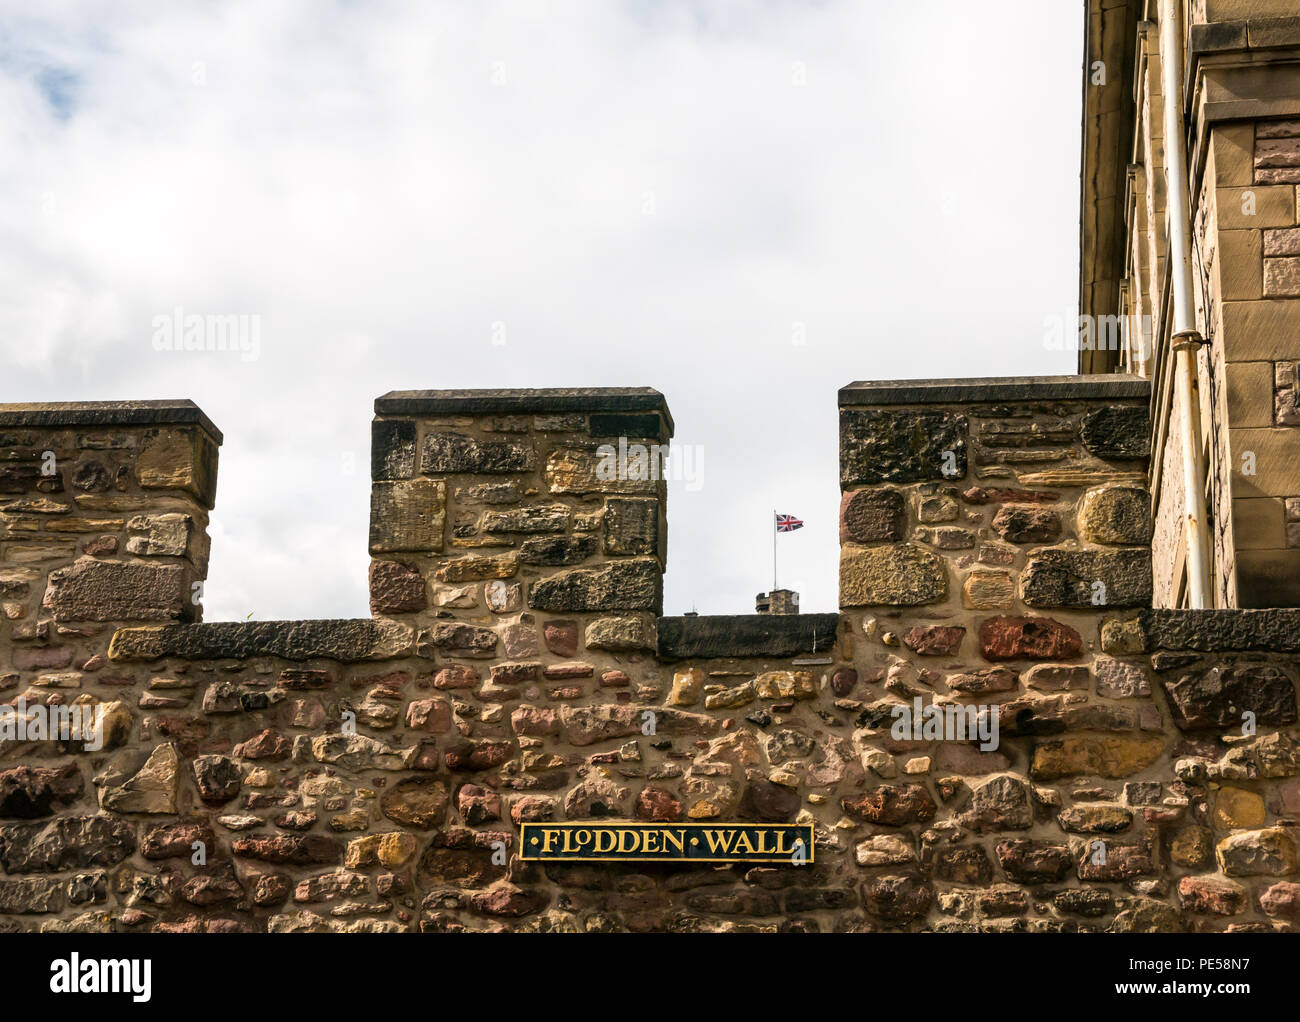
(746, 205)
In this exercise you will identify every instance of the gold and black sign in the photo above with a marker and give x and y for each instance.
(620, 841)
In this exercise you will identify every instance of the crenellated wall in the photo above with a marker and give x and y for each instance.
(373, 774)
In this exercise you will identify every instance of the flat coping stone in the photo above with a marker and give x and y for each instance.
(57, 414)
(537, 401)
(1100, 386)
(745, 635)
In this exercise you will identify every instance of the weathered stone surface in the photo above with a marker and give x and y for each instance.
(1027, 523)
(290, 849)
(180, 459)
(151, 789)
(1191, 846)
(882, 446)
(1028, 638)
(267, 744)
(392, 850)
(94, 590)
(448, 453)
(843, 681)
(359, 752)
(768, 803)
(583, 470)
(934, 640)
(1281, 899)
(347, 641)
(963, 864)
(1094, 755)
(620, 585)
(1120, 679)
(993, 679)
(1208, 896)
(1120, 862)
(988, 590)
(892, 805)
(408, 515)
(1236, 808)
(688, 685)
(1115, 515)
(1118, 432)
(557, 551)
(745, 635)
(1034, 862)
(1218, 696)
(395, 588)
(596, 798)
(217, 779)
(873, 516)
(897, 899)
(1000, 803)
(165, 535)
(1251, 853)
(1223, 631)
(621, 634)
(561, 637)
(902, 576)
(552, 518)
(658, 805)
(471, 757)
(1057, 678)
(419, 802)
(1271, 755)
(28, 792)
(786, 685)
(884, 850)
(477, 805)
(175, 840)
(68, 842)
(1087, 579)
(392, 449)
(474, 568)
(1095, 818)
(632, 527)
(457, 676)
(456, 639)
(506, 899)
(30, 896)
(1146, 915)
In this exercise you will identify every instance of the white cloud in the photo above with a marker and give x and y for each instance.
(381, 184)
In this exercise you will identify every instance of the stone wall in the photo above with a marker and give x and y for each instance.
(372, 774)
(1242, 106)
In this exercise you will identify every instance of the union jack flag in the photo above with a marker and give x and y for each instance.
(787, 523)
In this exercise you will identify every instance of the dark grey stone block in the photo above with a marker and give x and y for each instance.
(746, 635)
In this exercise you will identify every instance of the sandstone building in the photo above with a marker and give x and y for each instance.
(1016, 546)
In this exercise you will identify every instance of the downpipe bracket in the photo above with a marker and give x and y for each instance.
(1188, 340)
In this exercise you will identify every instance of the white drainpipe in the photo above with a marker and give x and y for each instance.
(1185, 339)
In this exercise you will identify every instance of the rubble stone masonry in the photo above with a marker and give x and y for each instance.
(372, 775)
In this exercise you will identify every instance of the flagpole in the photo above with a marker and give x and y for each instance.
(773, 549)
